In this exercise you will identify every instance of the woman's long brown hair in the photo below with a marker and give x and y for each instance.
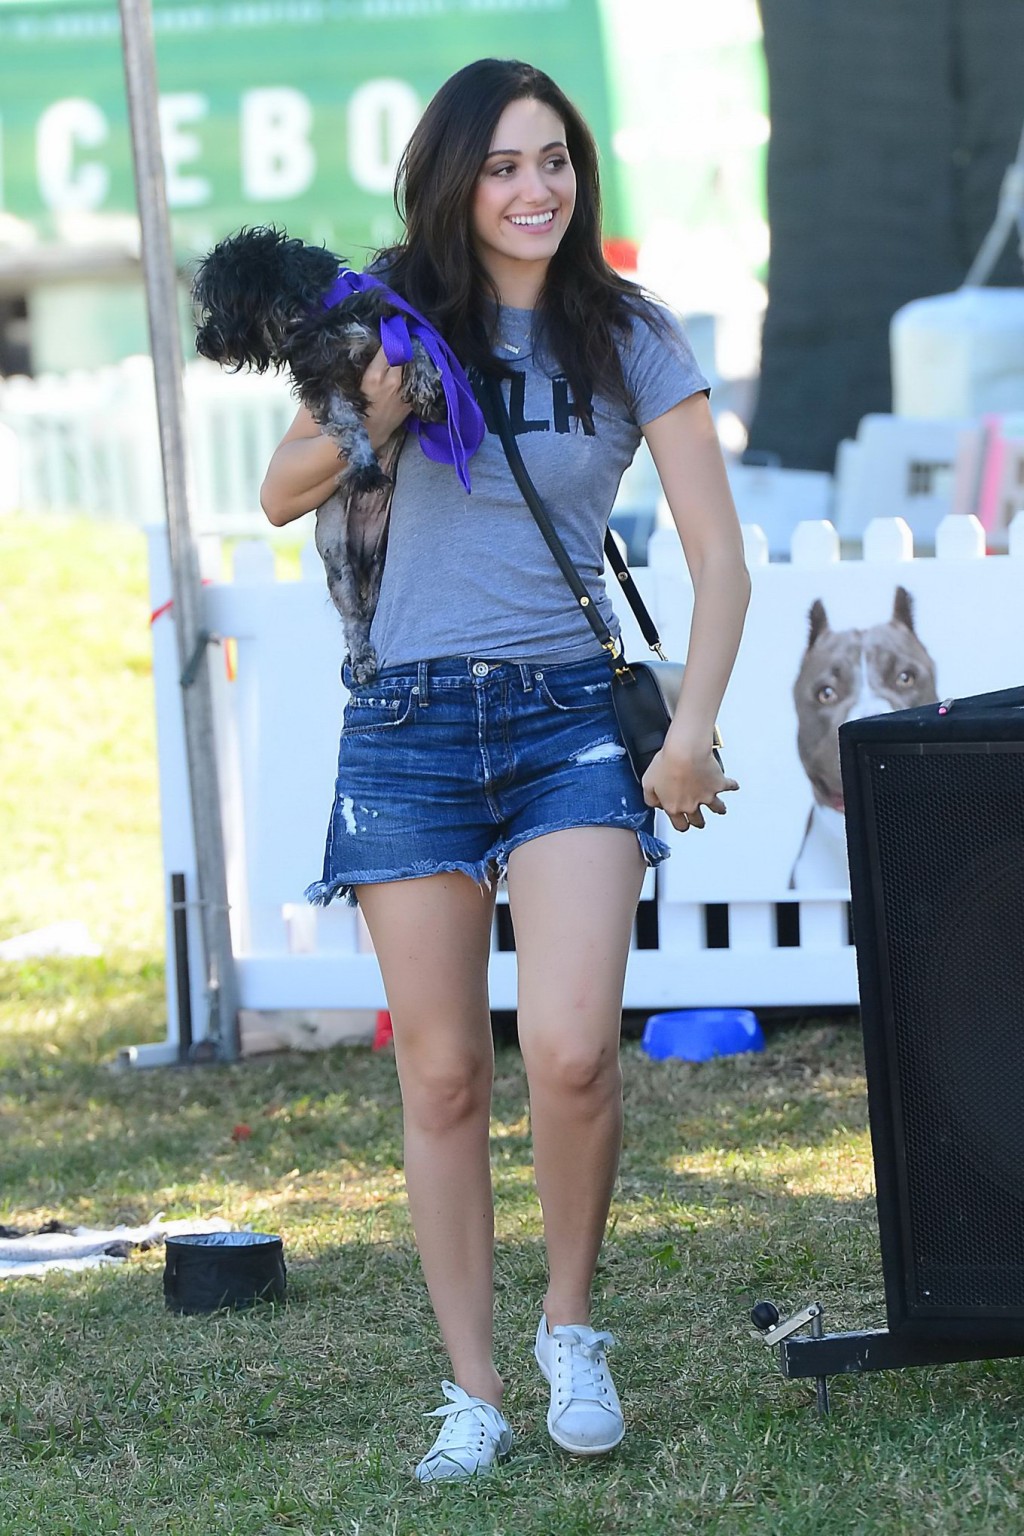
(585, 305)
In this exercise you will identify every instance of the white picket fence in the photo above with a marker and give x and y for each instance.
(89, 443)
(722, 902)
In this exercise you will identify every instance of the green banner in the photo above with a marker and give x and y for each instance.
(295, 112)
(291, 111)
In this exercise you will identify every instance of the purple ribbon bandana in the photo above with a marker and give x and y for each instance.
(445, 442)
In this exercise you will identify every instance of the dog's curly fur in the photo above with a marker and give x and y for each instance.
(260, 300)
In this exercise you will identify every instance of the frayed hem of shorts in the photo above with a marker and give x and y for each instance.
(653, 850)
(485, 872)
(322, 892)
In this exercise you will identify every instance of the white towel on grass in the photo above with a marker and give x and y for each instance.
(86, 1247)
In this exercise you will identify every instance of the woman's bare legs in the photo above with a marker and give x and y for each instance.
(432, 938)
(573, 897)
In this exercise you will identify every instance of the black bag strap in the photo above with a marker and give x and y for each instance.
(648, 628)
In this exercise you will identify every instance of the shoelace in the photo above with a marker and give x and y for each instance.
(586, 1370)
(459, 1402)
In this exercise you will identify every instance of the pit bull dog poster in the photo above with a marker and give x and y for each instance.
(823, 643)
(848, 674)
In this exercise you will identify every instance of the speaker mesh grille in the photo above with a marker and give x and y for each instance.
(949, 866)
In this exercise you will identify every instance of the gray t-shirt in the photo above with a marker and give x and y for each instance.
(471, 575)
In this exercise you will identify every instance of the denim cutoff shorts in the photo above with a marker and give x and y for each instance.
(450, 765)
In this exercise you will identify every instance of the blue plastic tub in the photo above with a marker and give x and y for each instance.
(697, 1034)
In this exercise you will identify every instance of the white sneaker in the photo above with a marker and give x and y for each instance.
(472, 1438)
(585, 1416)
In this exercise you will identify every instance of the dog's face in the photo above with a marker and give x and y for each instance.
(251, 292)
(259, 297)
(849, 674)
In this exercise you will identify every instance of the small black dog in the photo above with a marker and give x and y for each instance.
(260, 301)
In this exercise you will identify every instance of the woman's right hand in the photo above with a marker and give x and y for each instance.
(382, 386)
(304, 468)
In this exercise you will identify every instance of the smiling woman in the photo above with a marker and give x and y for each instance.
(486, 744)
(525, 197)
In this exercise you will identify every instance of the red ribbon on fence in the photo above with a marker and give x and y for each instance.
(230, 649)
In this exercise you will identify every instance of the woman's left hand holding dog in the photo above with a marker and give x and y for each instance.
(681, 780)
(382, 386)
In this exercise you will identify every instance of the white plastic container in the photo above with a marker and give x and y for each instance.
(959, 354)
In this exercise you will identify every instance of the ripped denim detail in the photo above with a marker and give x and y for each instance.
(322, 892)
(601, 752)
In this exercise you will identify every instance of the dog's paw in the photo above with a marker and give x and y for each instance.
(363, 666)
(422, 386)
(433, 409)
(425, 395)
(358, 478)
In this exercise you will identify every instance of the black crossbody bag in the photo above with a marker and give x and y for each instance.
(644, 693)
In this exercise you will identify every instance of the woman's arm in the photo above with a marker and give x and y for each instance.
(305, 465)
(302, 472)
(684, 445)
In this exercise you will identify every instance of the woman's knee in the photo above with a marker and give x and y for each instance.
(575, 1068)
(441, 1093)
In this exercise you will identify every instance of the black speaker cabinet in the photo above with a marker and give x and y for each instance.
(935, 828)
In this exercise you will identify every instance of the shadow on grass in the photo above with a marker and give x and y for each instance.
(62, 1147)
(355, 1349)
(314, 1409)
(72, 1125)
(706, 1213)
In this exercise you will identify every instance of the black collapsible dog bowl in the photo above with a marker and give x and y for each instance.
(208, 1270)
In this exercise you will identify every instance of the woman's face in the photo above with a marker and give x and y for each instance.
(525, 193)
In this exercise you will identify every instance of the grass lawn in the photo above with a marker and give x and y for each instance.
(740, 1179)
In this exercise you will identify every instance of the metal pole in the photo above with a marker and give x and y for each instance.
(193, 641)
(1009, 212)
(182, 971)
(820, 1382)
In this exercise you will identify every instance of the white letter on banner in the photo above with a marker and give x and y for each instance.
(180, 147)
(63, 186)
(277, 157)
(381, 116)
